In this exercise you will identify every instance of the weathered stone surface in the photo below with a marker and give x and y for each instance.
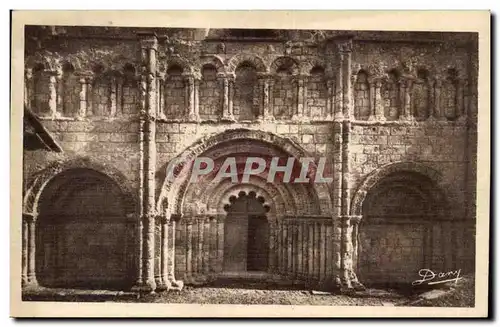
(248, 98)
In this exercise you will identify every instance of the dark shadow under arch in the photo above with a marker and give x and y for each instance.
(84, 237)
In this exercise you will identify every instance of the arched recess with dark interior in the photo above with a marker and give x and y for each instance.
(391, 95)
(362, 96)
(71, 91)
(246, 92)
(210, 94)
(129, 91)
(101, 92)
(246, 227)
(85, 233)
(421, 95)
(449, 94)
(175, 99)
(401, 212)
(284, 91)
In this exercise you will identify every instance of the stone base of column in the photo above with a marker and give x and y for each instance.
(350, 283)
(29, 282)
(56, 115)
(165, 285)
(176, 285)
(193, 118)
(147, 287)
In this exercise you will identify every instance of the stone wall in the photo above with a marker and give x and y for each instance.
(134, 103)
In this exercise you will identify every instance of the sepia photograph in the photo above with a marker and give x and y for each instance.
(272, 167)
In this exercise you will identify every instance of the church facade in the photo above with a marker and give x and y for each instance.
(393, 114)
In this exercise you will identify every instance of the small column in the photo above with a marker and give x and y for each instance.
(406, 90)
(299, 111)
(371, 83)
(264, 91)
(119, 96)
(28, 87)
(161, 95)
(304, 97)
(338, 113)
(430, 96)
(330, 103)
(82, 111)
(60, 92)
(197, 79)
(165, 284)
(112, 97)
(89, 95)
(349, 278)
(270, 111)
(379, 106)
(225, 95)
(53, 95)
(438, 112)
(345, 49)
(24, 253)
(31, 249)
(190, 97)
(230, 96)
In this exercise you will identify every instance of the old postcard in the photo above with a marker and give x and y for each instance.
(250, 164)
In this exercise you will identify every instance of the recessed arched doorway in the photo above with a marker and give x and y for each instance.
(246, 234)
(398, 215)
(84, 237)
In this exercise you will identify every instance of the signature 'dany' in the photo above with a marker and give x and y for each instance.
(430, 277)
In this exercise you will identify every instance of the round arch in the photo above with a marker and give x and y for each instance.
(215, 61)
(380, 174)
(287, 62)
(173, 190)
(256, 61)
(181, 62)
(39, 181)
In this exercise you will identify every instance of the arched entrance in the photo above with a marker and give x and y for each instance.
(398, 215)
(246, 234)
(83, 236)
(223, 224)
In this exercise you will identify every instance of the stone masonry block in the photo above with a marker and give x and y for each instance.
(307, 138)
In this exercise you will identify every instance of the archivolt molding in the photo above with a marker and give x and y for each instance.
(215, 61)
(187, 67)
(292, 194)
(172, 189)
(400, 167)
(39, 181)
(283, 198)
(254, 60)
(287, 62)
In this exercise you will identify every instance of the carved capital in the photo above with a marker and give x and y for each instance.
(263, 76)
(28, 73)
(29, 218)
(345, 46)
(145, 116)
(149, 41)
(189, 78)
